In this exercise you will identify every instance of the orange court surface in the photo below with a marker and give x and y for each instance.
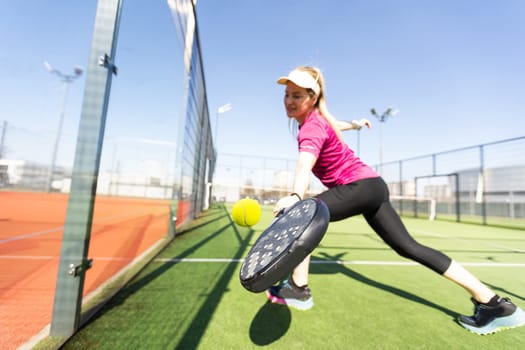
(31, 230)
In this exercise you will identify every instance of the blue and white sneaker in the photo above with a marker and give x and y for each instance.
(490, 319)
(288, 293)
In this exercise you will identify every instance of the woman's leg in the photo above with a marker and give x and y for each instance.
(388, 225)
(468, 281)
(386, 222)
(491, 313)
(300, 273)
(370, 197)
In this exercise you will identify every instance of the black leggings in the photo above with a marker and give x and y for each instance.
(370, 197)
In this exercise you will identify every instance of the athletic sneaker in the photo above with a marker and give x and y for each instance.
(288, 293)
(498, 314)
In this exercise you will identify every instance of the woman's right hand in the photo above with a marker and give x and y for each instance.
(284, 203)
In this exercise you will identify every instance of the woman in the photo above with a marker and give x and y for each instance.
(354, 188)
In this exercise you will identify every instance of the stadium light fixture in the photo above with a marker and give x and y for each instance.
(221, 110)
(389, 112)
(66, 80)
(48, 67)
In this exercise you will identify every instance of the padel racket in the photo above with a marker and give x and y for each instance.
(284, 244)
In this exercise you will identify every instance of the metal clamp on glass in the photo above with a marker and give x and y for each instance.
(105, 61)
(76, 270)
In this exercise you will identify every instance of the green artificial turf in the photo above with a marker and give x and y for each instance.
(373, 299)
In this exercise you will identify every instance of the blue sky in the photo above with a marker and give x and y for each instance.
(454, 69)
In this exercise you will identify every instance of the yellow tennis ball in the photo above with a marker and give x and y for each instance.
(246, 212)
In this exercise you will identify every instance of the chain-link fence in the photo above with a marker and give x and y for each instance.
(479, 184)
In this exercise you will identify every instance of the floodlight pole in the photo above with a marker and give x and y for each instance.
(390, 112)
(66, 80)
(221, 110)
(2, 139)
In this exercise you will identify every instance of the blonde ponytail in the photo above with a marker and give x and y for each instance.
(321, 105)
(321, 100)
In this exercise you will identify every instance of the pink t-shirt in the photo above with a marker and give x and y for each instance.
(336, 163)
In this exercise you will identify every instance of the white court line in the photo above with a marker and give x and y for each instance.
(28, 257)
(31, 235)
(337, 262)
(228, 260)
(60, 228)
(205, 260)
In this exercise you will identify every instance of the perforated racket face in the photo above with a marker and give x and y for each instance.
(278, 237)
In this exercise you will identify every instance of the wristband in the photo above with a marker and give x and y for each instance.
(295, 194)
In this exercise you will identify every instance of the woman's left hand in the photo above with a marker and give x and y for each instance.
(358, 124)
(354, 124)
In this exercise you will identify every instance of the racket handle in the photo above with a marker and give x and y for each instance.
(279, 213)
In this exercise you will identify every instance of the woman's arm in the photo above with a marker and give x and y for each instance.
(305, 163)
(302, 173)
(354, 124)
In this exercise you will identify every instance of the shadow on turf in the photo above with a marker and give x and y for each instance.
(271, 322)
(192, 336)
(343, 269)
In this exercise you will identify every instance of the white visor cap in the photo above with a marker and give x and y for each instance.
(302, 79)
